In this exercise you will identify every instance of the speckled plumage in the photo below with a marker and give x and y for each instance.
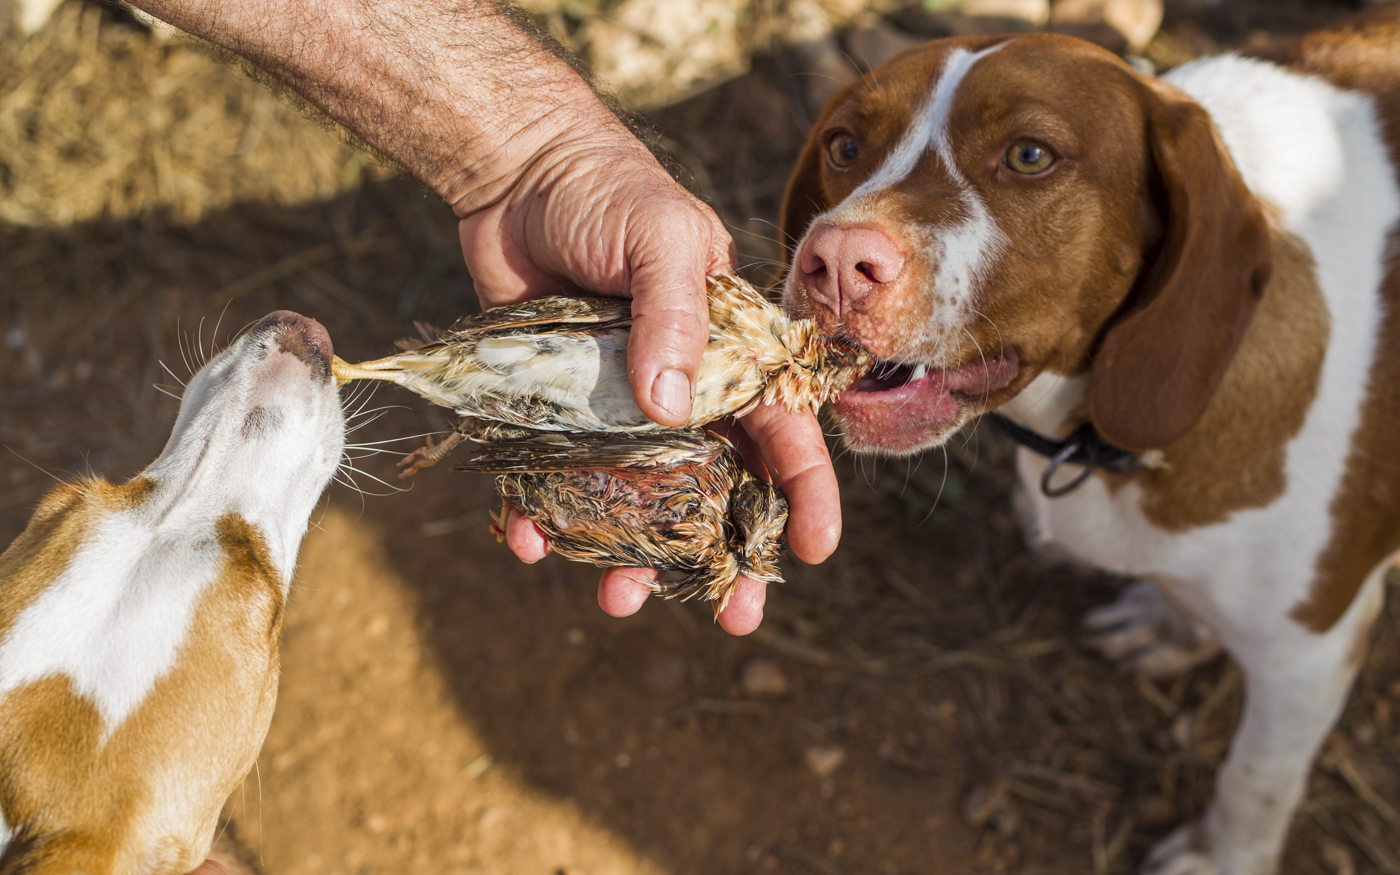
(560, 364)
(676, 500)
(543, 386)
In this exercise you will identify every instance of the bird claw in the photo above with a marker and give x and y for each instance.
(428, 456)
(499, 521)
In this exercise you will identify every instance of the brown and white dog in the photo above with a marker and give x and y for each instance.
(140, 623)
(1205, 268)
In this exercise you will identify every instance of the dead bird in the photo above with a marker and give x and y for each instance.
(560, 363)
(675, 500)
(543, 389)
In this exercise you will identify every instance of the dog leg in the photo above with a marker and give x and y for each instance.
(1296, 684)
(1144, 631)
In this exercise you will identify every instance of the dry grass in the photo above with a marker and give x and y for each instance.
(105, 122)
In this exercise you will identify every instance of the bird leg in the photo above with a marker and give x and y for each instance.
(430, 455)
(380, 369)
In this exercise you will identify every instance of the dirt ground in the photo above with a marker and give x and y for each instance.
(917, 704)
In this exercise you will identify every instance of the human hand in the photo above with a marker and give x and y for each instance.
(597, 213)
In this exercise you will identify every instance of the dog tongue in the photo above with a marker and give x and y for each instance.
(901, 418)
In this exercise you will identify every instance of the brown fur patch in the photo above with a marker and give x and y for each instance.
(1234, 458)
(78, 803)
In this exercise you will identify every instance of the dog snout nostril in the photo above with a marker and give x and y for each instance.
(867, 270)
(300, 336)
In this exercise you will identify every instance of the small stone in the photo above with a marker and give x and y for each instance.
(623, 761)
(656, 53)
(1036, 12)
(764, 678)
(1119, 25)
(575, 637)
(376, 824)
(982, 803)
(824, 760)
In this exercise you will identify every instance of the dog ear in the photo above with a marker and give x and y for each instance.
(1161, 361)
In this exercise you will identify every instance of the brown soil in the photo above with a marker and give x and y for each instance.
(447, 709)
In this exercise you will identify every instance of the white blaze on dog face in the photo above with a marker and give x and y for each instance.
(259, 435)
(1005, 267)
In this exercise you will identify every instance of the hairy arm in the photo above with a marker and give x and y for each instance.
(454, 92)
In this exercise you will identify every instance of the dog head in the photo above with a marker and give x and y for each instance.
(259, 435)
(980, 211)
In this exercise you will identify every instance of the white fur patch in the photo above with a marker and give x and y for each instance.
(1048, 403)
(929, 128)
(114, 622)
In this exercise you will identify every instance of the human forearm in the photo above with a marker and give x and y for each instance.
(452, 90)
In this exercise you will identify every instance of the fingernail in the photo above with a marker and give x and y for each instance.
(672, 392)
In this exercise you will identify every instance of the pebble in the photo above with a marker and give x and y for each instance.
(991, 805)
(824, 760)
(764, 678)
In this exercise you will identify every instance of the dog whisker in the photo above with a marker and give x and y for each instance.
(166, 368)
(393, 490)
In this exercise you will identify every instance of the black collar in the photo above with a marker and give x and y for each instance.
(1085, 447)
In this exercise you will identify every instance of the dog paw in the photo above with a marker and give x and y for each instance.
(1145, 632)
(1181, 853)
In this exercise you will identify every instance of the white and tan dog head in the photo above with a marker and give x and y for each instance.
(980, 211)
(140, 623)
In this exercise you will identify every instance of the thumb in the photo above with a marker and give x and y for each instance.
(671, 311)
(670, 327)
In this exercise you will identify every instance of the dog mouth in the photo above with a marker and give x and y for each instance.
(899, 407)
(886, 375)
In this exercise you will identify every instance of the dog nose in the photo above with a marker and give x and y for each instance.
(844, 267)
(304, 338)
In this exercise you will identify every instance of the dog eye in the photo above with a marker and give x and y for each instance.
(842, 150)
(1028, 157)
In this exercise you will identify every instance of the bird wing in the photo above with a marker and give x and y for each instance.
(555, 451)
(544, 314)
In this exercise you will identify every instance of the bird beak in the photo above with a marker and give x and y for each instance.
(379, 369)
